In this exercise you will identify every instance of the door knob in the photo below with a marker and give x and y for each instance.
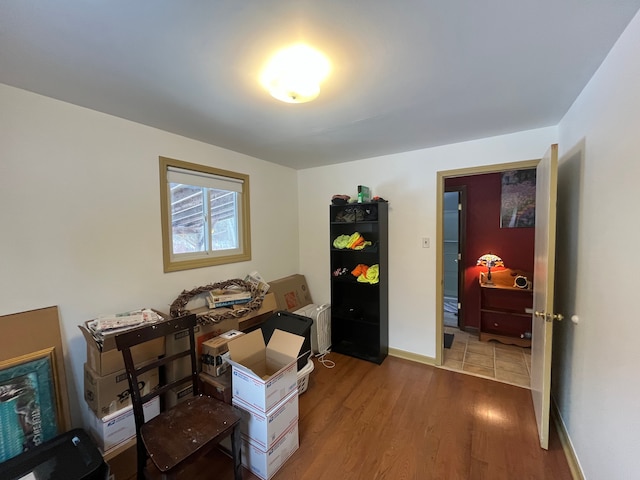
(549, 316)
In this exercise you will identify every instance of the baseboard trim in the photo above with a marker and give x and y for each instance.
(394, 352)
(565, 441)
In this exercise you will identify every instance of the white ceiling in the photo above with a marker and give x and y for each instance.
(407, 74)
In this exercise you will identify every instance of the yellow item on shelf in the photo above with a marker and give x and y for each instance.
(370, 275)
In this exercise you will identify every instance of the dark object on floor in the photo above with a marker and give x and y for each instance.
(448, 340)
(177, 437)
(69, 456)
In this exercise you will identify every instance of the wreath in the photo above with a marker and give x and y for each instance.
(178, 309)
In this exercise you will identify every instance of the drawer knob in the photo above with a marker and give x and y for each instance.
(496, 325)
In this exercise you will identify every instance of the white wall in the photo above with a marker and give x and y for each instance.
(80, 216)
(408, 182)
(596, 381)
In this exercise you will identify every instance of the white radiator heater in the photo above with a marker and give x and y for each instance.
(321, 328)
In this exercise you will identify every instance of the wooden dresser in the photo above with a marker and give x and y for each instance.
(505, 308)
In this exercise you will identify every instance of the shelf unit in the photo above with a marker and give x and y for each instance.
(505, 310)
(359, 311)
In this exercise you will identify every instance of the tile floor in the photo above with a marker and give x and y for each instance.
(504, 363)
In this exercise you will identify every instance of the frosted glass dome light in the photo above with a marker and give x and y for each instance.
(294, 74)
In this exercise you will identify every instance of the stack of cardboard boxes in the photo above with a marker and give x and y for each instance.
(215, 377)
(265, 390)
(106, 388)
(215, 380)
(269, 426)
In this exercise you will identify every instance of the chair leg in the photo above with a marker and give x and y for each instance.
(236, 452)
(142, 459)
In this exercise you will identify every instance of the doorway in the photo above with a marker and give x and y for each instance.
(458, 280)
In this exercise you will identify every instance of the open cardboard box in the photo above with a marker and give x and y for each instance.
(263, 375)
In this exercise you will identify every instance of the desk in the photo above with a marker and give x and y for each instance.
(503, 309)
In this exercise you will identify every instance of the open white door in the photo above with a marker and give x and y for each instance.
(543, 283)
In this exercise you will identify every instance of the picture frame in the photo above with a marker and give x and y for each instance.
(30, 402)
(518, 199)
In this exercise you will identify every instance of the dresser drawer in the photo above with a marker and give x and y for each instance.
(505, 324)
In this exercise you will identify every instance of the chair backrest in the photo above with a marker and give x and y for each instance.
(129, 339)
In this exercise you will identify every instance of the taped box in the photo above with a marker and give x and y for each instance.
(292, 292)
(266, 463)
(216, 387)
(265, 428)
(213, 353)
(178, 394)
(263, 375)
(112, 430)
(108, 394)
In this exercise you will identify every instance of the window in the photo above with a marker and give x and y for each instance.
(205, 215)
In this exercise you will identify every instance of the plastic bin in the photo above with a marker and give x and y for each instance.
(303, 377)
(292, 323)
(68, 456)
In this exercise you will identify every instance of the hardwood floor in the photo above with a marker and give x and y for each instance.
(406, 421)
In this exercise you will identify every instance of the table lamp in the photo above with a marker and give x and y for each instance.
(490, 260)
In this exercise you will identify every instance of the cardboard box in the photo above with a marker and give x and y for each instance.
(107, 394)
(265, 428)
(292, 292)
(263, 375)
(265, 464)
(112, 430)
(178, 394)
(216, 387)
(123, 465)
(108, 359)
(179, 341)
(225, 298)
(213, 350)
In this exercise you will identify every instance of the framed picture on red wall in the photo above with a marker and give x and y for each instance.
(518, 199)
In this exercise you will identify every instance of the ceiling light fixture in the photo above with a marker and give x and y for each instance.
(294, 74)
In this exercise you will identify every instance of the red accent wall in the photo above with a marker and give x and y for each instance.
(483, 235)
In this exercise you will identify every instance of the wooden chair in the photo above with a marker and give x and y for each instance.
(186, 432)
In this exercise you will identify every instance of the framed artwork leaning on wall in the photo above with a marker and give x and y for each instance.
(30, 402)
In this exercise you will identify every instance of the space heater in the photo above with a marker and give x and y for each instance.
(321, 328)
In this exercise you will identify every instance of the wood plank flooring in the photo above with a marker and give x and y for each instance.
(406, 421)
